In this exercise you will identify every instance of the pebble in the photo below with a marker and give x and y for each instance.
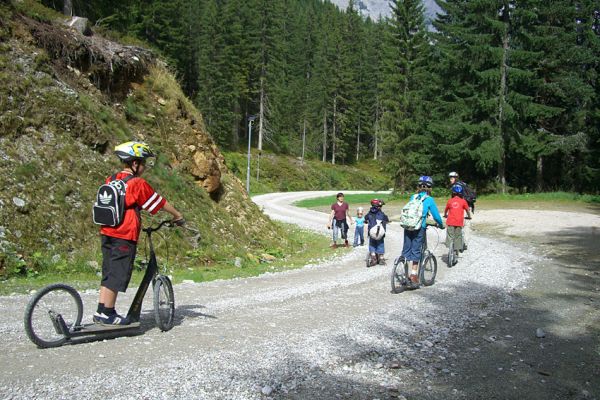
(539, 333)
(267, 390)
(19, 202)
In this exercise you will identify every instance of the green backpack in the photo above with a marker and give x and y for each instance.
(412, 214)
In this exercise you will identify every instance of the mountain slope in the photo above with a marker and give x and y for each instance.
(67, 100)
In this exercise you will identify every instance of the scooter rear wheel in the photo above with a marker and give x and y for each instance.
(41, 315)
(164, 303)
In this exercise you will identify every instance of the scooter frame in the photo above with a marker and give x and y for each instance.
(78, 330)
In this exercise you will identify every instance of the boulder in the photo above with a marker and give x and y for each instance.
(81, 25)
(205, 168)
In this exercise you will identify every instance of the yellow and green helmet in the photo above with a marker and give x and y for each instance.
(134, 150)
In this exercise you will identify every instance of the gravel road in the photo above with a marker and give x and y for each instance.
(329, 330)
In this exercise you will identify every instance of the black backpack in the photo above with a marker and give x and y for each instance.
(109, 207)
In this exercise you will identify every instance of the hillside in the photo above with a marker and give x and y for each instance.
(280, 173)
(66, 101)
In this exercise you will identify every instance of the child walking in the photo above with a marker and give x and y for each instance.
(377, 221)
(455, 214)
(359, 220)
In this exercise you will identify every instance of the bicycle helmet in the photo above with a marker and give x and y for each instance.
(453, 174)
(134, 150)
(457, 189)
(377, 203)
(425, 181)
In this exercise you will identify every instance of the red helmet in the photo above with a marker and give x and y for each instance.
(377, 203)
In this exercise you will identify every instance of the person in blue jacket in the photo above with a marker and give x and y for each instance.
(413, 240)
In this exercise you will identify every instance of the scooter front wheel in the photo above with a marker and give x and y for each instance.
(399, 277)
(164, 303)
(46, 311)
(428, 269)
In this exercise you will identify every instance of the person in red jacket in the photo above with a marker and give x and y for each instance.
(119, 243)
(455, 214)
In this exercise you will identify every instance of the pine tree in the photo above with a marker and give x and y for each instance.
(406, 74)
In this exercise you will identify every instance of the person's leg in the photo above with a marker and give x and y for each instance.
(345, 228)
(458, 238)
(117, 265)
(361, 234)
(381, 251)
(373, 250)
(416, 253)
(334, 228)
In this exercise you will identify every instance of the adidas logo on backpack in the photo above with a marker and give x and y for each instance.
(105, 198)
(109, 207)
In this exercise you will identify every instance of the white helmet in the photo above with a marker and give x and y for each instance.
(453, 174)
(359, 210)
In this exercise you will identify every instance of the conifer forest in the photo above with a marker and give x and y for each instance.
(507, 92)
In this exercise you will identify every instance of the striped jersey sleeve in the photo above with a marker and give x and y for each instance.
(147, 199)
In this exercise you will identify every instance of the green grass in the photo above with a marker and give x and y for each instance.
(280, 173)
(544, 197)
(440, 194)
(303, 248)
(349, 198)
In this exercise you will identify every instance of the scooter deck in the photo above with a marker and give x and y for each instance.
(92, 329)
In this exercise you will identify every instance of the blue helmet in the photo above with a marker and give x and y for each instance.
(425, 181)
(458, 189)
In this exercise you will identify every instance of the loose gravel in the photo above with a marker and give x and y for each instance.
(329, 330)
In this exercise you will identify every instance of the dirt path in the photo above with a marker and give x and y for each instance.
(333, 330)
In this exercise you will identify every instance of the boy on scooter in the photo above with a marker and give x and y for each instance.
(119, 242)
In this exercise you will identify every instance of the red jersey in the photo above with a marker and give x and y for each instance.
(139, 195)
(455, 210)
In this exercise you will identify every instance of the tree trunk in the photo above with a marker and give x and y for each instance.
(303, 140)
(502, 100)
(235, 132)
(325, 135)
(261, 115)
(539, 174)
(376, 132)
(68, 8)
(358, 141)
(333, 131)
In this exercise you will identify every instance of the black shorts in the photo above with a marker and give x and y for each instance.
(117, 262)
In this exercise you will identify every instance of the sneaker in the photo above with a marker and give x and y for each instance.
(334, 246)
(113, 319)
(373, 260)
(414, 278)
(345, 243)
(382, 261)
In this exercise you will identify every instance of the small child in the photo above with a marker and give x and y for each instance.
(377, 217)
(360, 228)
(455, 214)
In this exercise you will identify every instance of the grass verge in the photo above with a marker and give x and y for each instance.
(304, 248)
(363, 198)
